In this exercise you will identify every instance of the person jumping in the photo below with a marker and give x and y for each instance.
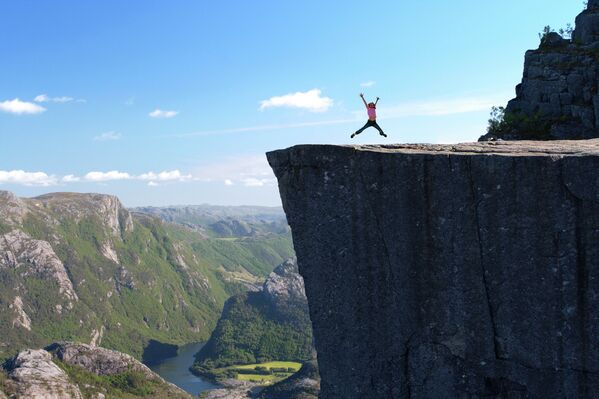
(371, 108)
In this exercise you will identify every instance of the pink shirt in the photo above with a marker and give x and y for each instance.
(371, 113)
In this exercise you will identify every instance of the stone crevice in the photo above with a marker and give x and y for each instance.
(487, 295)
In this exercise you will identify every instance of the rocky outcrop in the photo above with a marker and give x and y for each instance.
(21, 318)
(285, 284)
(12, 208)
(34, 376)
(449, 271)
(97, 360)
(34, 257)
(558, 97)
(107, 208)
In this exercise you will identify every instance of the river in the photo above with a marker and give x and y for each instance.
(176, 370)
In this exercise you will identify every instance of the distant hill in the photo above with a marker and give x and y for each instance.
(272, 324)
(224, 221)
(81, 267)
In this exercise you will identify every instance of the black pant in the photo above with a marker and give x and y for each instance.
(368, 124)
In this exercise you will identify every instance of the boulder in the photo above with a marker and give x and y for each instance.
(35, 376)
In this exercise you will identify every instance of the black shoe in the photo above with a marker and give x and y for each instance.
(353, 135)
(383, 134)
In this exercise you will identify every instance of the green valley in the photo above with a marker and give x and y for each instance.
(80, 267)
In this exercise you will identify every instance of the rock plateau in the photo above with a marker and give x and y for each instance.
(449, 271)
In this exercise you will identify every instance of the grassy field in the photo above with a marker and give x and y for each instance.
(261, 378)
(270, 365)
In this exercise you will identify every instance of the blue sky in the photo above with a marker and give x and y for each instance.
(176, 102)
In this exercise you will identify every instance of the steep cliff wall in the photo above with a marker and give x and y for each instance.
(460, 271)
(558, 97)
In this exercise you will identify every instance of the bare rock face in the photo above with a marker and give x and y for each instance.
(285, 283)
(35, 376)
(12, 208)
(107, 208)
(34, 257)
(557, 98)
(462, 271)
(97, 360)
(21, 318)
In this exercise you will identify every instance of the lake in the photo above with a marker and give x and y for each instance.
(176, 370)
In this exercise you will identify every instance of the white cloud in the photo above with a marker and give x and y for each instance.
(43, 98)
(158, 113)
(108, 136)
(172, 175)
(441, 107)
(310, 100)
(248, 171)
(107, 176)
(27, 178)
(44, 179)
(254, 182)
(370, 83)
(70, 179)
(19, 107)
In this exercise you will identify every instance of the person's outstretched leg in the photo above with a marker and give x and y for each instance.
(361, 129)
(376, 125)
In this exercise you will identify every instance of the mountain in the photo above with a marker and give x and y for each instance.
(77, 371)
(271, 324)
(81, 267)
(224, 221)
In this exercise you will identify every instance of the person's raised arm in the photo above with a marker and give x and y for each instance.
(362, 97)
(377, 101)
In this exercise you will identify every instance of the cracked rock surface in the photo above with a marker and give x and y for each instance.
(449, 271)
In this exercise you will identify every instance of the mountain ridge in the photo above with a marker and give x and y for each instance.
(82, 267)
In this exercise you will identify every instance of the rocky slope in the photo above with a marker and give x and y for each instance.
(81, 267)
(558, 98)
(271, 324)
(449, 271)
(77, 371)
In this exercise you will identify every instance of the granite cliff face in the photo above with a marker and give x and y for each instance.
(558, 96)
(449, 271)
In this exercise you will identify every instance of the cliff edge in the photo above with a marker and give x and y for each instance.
(449, 271)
